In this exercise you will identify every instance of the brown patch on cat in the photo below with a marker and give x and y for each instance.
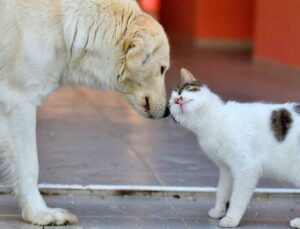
(297, 108)
(191, 86)
(281, 122)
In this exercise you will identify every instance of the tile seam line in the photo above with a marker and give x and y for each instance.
(176, 213)
(146, 164)
(95, 187)
(123, 141)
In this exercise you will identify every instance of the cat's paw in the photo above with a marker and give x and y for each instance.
(49, 216)
(228, 222)
(295, 223)
(216, 213)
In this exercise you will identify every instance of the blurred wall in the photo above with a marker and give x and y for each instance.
(277, 31)
(209, 19)
(151, 6)
(225, 19)
(179, 17)
(273, 26)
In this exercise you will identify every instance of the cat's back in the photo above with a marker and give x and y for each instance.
(271, 132)
(260, 109)
(261, 119)
(261, 133)
(274, 126)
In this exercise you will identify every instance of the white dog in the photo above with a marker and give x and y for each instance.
(44, 44)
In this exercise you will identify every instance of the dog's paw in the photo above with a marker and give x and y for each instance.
(216, 213)
(49, 216)
(295, 223)
(229, 222)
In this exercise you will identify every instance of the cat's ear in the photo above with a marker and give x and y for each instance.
(187, 76)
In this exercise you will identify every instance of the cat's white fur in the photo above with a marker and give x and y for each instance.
(239, 139)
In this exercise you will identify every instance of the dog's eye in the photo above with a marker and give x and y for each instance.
(162, 70)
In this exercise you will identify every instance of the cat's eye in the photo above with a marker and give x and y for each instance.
(194, 89)
(162, 70)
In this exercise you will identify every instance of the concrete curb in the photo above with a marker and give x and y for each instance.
(128, 190)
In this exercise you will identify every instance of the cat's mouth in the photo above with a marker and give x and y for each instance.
(183, 103)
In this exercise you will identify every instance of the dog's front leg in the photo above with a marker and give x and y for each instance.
(22, 129)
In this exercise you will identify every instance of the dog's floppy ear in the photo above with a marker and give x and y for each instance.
(136, 54)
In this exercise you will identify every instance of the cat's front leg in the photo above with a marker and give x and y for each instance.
(223, 193)
(244, 183)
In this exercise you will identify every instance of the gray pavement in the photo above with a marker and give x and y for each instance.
(155, 212)
(91, 137)
(96, 138)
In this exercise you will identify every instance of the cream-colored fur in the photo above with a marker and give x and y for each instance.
(105, 44)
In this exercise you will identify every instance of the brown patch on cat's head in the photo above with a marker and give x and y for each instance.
(191, 86)
(281, 122)
(188, 82)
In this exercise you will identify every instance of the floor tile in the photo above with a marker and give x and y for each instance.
(156, 212)
(267, 210)
(126, 223)
(15, 223)
(134, 207)
(9, 206)
(213, 224)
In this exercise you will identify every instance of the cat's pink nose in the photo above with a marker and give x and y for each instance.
(178, 100)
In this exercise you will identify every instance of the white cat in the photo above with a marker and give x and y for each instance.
(245, 140)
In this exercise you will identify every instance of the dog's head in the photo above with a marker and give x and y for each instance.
(146, 60)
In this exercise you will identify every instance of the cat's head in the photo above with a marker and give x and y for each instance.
(187, 97)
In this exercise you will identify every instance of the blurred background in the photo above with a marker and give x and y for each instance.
(267, 28)
(246, 50)
(237, 47)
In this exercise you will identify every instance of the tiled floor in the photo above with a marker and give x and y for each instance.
(91, 137)
(155, 212)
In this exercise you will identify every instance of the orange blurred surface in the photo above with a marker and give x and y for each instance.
(179, 17)
(225, 19)
(277, 33)
(209, 19)
(151, 6)
(273, 26)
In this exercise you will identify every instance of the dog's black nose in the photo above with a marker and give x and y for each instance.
(167, 113)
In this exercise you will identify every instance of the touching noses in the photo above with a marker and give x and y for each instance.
(178, 100)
